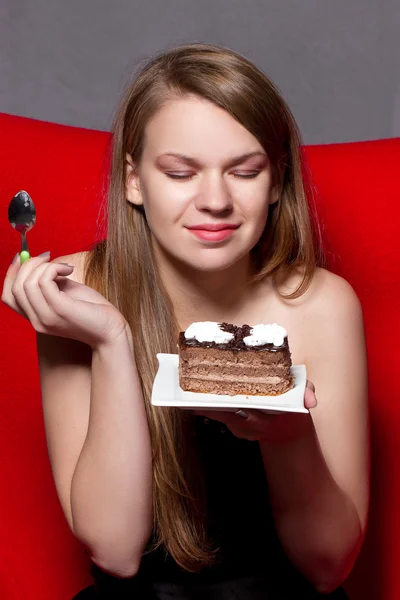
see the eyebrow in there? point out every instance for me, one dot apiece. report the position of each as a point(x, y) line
point(196, 164)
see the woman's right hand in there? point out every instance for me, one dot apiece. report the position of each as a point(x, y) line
point(41, 292)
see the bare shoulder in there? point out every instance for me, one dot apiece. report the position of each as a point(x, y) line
point(334, 316)
point(325, 315)
point(328, 294)
point(77, 259)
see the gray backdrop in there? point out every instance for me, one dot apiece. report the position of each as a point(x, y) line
point(336, 61)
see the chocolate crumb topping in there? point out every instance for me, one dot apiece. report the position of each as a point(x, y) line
point(236, 343)
point(228, 327)
point(239, 332)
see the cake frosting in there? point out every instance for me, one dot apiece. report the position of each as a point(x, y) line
point(266, 334)
point(208, 331)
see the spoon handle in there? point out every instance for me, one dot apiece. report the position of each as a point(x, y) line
point(24, 254)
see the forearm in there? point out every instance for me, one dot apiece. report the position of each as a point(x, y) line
point(111, 492)
point(317, 522)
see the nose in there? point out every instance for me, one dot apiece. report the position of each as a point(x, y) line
point(213, 195)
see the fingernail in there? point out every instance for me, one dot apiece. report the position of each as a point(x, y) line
point(68, 265)
point(15, 258)
point(242, 413)
point(47, 253)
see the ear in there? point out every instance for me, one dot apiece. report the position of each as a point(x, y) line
point(274, 194)
point(276, 190)
point(132, 187)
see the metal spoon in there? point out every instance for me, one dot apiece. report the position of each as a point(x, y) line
point(22, 216)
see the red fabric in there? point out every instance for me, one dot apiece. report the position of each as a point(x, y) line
point(358, 201)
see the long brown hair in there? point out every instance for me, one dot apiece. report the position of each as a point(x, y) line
point(122, 266)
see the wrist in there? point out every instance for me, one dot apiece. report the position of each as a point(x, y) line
point(123, 337)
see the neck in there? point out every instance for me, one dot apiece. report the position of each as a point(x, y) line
point(205, 296)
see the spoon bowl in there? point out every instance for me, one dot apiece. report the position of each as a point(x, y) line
point(22, 217)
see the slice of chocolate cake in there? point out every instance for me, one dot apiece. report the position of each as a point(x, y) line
point(220, 358)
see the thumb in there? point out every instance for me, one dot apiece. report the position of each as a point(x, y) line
point(16, 263)
point(310, 399)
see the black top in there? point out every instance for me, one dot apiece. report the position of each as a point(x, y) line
point(240, 521)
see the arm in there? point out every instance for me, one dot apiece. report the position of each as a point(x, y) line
point(111, 489)
point(98, 442)
point(319, 482)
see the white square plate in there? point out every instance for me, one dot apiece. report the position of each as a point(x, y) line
point(167, 392)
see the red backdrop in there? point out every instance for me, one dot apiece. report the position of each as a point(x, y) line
point(358, 200)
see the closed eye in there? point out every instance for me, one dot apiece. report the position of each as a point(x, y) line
point(247, 176)
point(173, 176)
point(187, 177)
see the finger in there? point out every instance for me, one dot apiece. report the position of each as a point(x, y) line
point(15, 261)
point(13, 293)
point(253, 415)
point(15, 266)
point(58, 301)
point(310, 385)
point(232, 416)
point(6, 295)
point(216, 415)
point(37, 307)
point(310, 400)
point(208, 413)
point(242, 414)
point(28, 296)
point(11, 274)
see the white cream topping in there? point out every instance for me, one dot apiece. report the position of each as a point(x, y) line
point(208, 331)
point(266, 334)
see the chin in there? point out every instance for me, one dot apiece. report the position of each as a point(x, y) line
point(207, 260)
point(211, 264)
point(209, 268)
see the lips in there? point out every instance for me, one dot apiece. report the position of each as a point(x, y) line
point(213, 227)
point(213, 232)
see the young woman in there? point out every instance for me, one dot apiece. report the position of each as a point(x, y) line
point(207, 220)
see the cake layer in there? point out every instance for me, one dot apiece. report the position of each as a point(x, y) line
point(241, 378)
point(192, 369)
point(234, 357)
point(232, 388)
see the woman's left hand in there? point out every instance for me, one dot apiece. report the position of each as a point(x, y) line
point(253, 424)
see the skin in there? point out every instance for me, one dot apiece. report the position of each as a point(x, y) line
point(317, 465)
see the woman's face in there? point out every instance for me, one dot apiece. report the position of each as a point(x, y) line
point(205, 184)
